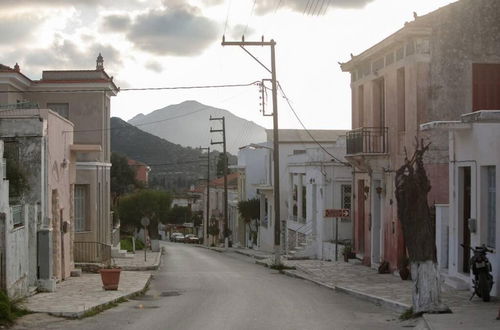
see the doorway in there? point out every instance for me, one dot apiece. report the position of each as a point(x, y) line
point(376, 219)
point(361, 217)
point(465, 194)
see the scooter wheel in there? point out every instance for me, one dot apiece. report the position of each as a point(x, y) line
point(484, 288)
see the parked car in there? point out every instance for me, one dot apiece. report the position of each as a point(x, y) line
point(177, 237)
point(192, 239)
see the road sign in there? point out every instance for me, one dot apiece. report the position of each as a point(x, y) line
point(145, 221)
point(337, 213)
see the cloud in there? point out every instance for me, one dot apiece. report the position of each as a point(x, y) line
point(65, 3)
point(63, 54)
point(178, 30)
point(18, 28)
point(265, 6)
point(154, 66)
point(238, 30)
point(115, 23)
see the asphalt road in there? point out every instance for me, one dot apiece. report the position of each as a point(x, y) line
point(198, 288)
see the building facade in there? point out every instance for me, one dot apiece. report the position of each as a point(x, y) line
point(472, 217)
point(434, 68)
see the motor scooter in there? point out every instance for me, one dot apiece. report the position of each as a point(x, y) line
point(481, 269)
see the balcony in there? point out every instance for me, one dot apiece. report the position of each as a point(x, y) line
point(367, 141)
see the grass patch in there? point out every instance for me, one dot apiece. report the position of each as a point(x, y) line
point(408, 314)
point(10, 309)
point(126, 244)
point(280, 267)
point(102, 308)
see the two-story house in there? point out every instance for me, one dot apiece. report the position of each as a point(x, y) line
point(437, 67)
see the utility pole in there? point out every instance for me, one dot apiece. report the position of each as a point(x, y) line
point(276, 190)
point(223, 142)
point(207, 218)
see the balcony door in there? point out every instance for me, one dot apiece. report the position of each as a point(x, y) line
point(379, 102)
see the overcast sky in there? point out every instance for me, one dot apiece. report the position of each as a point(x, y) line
point(157, 43)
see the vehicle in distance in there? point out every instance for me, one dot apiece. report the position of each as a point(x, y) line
point(177, 237)
point(191, 238)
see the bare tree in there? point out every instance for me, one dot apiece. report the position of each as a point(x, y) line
point(412, 187)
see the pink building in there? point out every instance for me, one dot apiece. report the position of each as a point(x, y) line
point(141, 170)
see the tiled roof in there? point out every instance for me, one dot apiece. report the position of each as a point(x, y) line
point(232, 180)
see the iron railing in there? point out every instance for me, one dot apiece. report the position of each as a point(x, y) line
point(367, 140)
point(92, 252)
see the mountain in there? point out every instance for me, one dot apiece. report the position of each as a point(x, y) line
point(173, 167)
point(188, 124)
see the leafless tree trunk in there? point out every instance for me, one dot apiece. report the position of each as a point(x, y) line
point(412, 187)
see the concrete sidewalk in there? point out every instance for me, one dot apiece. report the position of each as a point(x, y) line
point(137, 263)
point(78, 296)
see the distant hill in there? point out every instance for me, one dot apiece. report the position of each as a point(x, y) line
point(188, 124)
point(173, 167)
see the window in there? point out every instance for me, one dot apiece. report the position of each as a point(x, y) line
point(361, 106)
point(401, 99)
point(299, 152)
point(81, 208)
point(61, 108)
point(486, 86)
point(346, 196)
point(491, 206)
point(17, 215)
point(304, 202)
point(379, 102)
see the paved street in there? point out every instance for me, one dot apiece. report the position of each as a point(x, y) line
point(201, 289)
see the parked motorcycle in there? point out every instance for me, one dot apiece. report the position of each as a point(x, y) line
point(481, 269)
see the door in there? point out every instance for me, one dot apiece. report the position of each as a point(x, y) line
point(360, 221)
point(376, 222)
point(466, 214)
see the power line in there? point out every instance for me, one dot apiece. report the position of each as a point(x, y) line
point(308, 132)
point(137, 89)
point(251, 14)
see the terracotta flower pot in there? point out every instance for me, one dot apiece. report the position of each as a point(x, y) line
point(110, 278)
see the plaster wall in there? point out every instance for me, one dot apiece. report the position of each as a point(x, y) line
point(475, 148)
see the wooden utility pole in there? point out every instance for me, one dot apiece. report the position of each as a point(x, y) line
point(276, 190)
point(207, 217)
point(223, 142)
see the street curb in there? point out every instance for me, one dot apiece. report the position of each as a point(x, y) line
point(250, 255)
point(81, 314)
point(427, 323)
point(145, 268)
point(387, 303)
point(209, 248)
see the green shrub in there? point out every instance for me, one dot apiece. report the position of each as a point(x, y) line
point(10, 309)
point(126, 244)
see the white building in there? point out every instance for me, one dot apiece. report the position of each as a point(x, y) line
point(472, 217)
point(253, 167)
point(317, 182)
point(309, 183)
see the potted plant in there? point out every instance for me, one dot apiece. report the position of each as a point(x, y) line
point(347, 252)
point(110, 275)
point(404, 268)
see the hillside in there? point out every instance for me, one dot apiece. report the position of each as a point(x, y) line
point(173, 167)
point(188, 124)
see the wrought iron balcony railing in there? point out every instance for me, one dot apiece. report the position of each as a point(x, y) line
point(367, 140)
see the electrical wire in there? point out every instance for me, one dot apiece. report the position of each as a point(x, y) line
point(251, 14)
point(138, 88)
point(308, 132)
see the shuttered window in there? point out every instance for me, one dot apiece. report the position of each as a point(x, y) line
point(486, 86)
point(81, 223)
